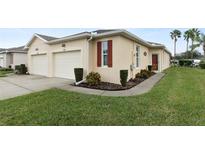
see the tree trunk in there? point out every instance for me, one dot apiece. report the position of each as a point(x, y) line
point(187, 45)
point(192, 43)
point(175, 48)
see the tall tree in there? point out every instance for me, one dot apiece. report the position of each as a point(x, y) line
point(175, 34)
point(195, 37)
point(201, 41)
point(187, 36)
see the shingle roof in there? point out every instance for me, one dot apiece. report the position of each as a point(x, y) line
point(21, 48)
point(100, 31)
point(12, 50)
point(47, 38)
point(154, 43)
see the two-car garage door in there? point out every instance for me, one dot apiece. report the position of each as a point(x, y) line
point(63, 64)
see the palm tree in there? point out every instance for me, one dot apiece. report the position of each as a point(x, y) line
point(187, 36)
point(203, 42)
point(194, 36)
point(175, 34)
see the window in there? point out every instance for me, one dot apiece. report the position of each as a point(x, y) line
point(105, 53)
point(137, 56)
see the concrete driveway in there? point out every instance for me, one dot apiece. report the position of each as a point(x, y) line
point(17, 85)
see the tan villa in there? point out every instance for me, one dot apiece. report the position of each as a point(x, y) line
point(103, 51)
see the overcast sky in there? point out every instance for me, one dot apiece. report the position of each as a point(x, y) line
point(16, 37)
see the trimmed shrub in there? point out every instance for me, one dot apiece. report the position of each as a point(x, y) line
point(185, 62)
point(149, 68)
point(78, 74)
point(123, 77)
point(20, 69)
point(6, 69)
point(202, 64)
point(23, 69)
point(93, 78)
point(143, 74)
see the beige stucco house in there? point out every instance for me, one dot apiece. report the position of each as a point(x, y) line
point(13, 56)
point(103, 51)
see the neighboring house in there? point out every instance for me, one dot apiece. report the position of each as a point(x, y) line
point(13, 56)
point(103, 51)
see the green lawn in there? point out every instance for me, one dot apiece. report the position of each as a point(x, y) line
point(178, 99)
point(4, 73)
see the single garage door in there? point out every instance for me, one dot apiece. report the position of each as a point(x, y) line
point(65, 62)
point(39, 65)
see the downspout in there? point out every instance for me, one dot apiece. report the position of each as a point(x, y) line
point(91, 37)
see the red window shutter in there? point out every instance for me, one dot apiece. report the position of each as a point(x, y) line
point(99, 50)
point(110, 53)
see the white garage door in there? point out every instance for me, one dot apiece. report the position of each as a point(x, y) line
point(1, 62)
point(64, 64)
point(39, 65)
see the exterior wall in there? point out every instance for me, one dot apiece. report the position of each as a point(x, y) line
point(3, 56)
point(81, 45)
point(6, 59)
point(42, 48)
point(110, 74)
point(166, 60)
point(19, 58)
point(163, 59)
point(124, 55)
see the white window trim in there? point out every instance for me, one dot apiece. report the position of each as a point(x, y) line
point(102, 55)
point(136, 57)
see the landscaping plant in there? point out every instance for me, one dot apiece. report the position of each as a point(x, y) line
point(21, 69)
point(123, 77)
point(144, 74)
point(78, 74)
point(93, 78)
point(185, 62)
point(202, 64)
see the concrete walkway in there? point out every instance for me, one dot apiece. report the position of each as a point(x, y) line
point(142, 88)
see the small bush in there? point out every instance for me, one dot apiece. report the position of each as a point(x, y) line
point(143, 74)
point(6, 69)
point(202, 64)
point(78, 74)
point(93, 78)
point(21, 69)
point(123, 77)
point(185, 62)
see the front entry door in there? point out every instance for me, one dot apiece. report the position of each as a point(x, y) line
point(155, 62)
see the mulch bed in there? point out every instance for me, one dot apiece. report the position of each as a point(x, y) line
point(112, 86)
